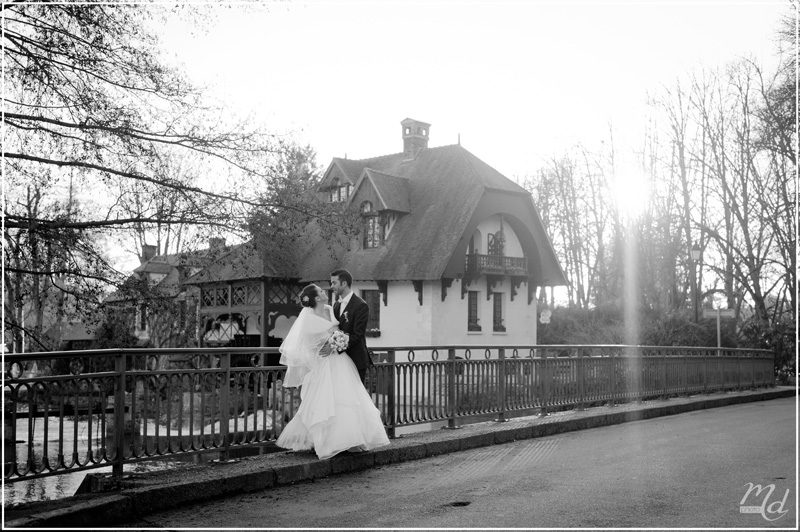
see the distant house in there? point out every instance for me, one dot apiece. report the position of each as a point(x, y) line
point(451, 252)
point(245, 301)
point(160, 307)
point(72, 336)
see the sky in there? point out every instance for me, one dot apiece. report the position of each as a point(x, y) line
point(515, 82)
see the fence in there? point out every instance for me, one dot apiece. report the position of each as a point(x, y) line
point(80, 410)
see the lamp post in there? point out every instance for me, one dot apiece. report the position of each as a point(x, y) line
point(697, 254)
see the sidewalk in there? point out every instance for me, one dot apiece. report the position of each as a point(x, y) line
point(152, 492)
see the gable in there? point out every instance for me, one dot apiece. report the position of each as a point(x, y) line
point(340, 171)
point(384, 191)
point(519, 214)
point(392, 190)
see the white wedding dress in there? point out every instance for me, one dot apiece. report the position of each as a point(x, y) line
point(336, 413)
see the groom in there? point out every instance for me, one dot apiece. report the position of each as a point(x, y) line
point(353, 314)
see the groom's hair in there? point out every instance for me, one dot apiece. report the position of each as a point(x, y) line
point(344, 277)
point(308, 296)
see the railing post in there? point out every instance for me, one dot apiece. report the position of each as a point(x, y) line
point(224, 405)
point(501, 385)
point(9, 435)
point(612, 370)
point(119, 416)
point(637, 357)
point(581, 376)
point(705, 372)
point(772, 379)
point(451, 356)
point(686, 375)
point(544, 383)
point(664, 377)
point(391, 394)
point(265, 402)
point(738, 372)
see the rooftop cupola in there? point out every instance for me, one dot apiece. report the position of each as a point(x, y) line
point(415, 137)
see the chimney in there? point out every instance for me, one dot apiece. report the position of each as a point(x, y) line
point(415, 137)
point(148, 252)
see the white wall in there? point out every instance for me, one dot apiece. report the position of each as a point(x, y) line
point(403, 320)
point(451, 316)
point(405, 323)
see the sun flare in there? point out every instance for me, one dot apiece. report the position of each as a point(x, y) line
point(631, 194)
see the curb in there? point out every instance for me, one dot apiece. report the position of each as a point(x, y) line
point(214, 482)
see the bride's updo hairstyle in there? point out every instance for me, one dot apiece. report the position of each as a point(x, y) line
point(308, 296)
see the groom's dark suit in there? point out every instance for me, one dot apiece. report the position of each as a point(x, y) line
point(353, 320)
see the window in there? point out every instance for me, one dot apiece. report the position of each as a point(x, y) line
point(214, 296)
point(142, 317)
point(373, 300)
point(497, 314)
point(206, 297)
point(495, 243)
point(239, 295)
point(338, 191)
point(373, 229)
point(472, 312)
point(372, 232)
point(221, 296)
point(335, 191)
point(182, 314)
point(284, 293)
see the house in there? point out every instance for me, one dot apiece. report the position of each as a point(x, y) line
point(159, 306)
point(450, 252)
point(72, 335)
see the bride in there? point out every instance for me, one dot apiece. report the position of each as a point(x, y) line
point(336, 413)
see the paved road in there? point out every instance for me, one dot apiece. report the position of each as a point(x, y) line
point(687, 470)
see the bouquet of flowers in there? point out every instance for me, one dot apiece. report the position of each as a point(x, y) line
point(339, 340)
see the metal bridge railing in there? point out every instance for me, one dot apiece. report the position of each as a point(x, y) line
point(79, 410)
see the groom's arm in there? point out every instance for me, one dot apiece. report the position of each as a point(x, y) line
point(360, 319)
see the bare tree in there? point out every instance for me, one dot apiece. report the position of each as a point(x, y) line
point(89, 101)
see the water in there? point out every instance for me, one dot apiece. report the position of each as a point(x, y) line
point(66, 484)
point(60, 486)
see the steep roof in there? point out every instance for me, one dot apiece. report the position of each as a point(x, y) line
point(70, 331)
point(442, 186)
point(392, 190)
point(154, 266)
point(243, 261)
point(349, 167)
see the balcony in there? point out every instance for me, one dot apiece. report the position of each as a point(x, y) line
point(495, 265)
